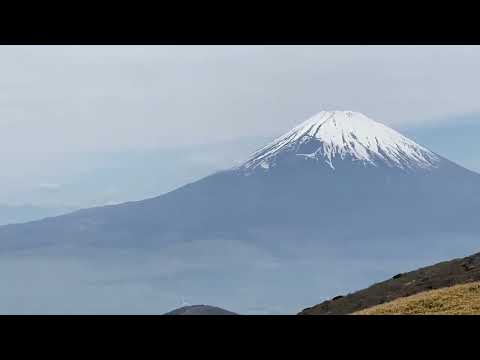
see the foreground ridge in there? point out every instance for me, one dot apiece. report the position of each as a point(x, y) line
point(461, 299)
point(441, 275)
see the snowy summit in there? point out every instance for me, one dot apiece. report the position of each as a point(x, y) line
point(330, 136)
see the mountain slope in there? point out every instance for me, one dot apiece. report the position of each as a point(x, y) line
point(455, 300)
point(441, 275)
point(11, 214)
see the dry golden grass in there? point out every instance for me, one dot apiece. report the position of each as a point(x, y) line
point(456, 300)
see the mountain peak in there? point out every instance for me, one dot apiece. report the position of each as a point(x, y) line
point(330, 136)
point(200, 310)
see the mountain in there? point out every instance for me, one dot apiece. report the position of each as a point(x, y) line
point(200, 310)
point(438, 276)
point(335, 169)
point(336, 201)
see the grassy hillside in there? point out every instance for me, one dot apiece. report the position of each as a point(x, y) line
point(455, 300)
point(442, 275)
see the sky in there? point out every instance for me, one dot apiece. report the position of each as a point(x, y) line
point(72, 114)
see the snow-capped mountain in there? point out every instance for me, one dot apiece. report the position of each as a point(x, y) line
point(334, 203)
point(332, 136)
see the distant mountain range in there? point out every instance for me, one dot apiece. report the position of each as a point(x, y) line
point(336, 190)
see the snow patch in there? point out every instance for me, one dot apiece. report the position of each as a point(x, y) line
point(342, 135)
